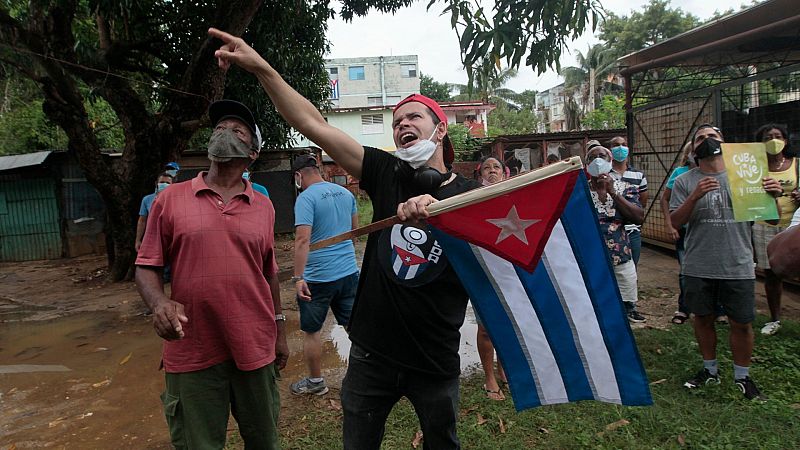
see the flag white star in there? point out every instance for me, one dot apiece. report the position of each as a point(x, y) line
point(512, 225)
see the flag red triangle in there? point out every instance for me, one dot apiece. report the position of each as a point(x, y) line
point(408, 258)
point(515, 225)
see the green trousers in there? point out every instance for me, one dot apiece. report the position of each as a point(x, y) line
point(197, 406)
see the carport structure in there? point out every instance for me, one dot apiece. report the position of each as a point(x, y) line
point(738, 72)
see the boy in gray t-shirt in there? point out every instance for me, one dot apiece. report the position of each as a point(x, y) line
point(718, 263)
point(716, 245)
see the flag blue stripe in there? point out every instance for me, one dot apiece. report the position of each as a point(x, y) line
point(478, 286)
point(616, 359)
point(589, 249)
point(546, 302)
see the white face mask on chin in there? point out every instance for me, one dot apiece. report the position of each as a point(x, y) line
point(419, 153)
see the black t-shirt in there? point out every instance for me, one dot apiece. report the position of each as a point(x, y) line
point(410, 303)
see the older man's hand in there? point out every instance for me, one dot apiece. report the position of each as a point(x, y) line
point(168, 319)
point(281, 347)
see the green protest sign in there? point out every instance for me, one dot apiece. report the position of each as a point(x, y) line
point(746, 166)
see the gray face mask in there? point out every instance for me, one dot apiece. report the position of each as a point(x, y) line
point(224, 146)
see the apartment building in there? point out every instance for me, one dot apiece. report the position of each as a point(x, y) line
point(550, 109)
point(372, 81)
point(363, 92)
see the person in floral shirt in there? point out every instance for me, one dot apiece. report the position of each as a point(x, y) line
point(616, 203)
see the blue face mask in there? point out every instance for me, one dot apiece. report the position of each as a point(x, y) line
point(172, 173)
point(161, 186)
point(598, 166)
point(620, 153)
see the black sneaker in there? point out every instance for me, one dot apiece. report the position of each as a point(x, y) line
point(749, 389)
point(702, 378)
point(635, 317)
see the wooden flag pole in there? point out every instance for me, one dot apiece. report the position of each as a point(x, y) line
point(360, 231)
point(465, 199)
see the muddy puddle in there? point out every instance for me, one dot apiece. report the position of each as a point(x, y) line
point(91, 380)
point(102, 396)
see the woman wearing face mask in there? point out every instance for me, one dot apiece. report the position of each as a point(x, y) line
point(785, 170)
point(492, 171)
point(616, 203)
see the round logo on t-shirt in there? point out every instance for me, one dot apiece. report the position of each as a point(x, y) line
point(410, 256)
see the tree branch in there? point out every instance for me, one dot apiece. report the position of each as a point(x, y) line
point(25, 68)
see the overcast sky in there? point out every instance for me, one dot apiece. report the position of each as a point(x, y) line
point(415, 31)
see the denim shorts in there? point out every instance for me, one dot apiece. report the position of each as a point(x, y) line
point(337, 295)
point(737, 297)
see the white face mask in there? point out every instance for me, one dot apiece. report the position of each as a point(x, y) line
point(599, 166)
point(419, 153)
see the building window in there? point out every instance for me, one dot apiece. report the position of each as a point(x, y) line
point(374, 101)
point(333, 70)
point(408, 70)
point(356, 72)
point(372, 124)
point(341, 180)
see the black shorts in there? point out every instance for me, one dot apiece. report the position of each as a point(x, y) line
point(737, 297)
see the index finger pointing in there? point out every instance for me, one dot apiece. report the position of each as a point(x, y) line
point(219, 34)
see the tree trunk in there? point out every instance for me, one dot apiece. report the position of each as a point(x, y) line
point(123, 235)
point(151, 138)
point(592, 88)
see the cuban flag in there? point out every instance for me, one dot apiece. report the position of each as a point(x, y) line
point(530, 254)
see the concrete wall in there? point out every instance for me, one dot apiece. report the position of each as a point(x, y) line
point(355, 93)
point(350, 123)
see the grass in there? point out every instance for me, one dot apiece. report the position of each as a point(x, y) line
point(716, 417)
point(364, 211)
point(364, 214)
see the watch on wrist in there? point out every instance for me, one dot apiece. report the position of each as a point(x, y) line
point(297, 278)
point(280, 317)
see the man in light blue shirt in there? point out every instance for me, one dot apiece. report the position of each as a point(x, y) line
point(327, 277)
point(162, 182)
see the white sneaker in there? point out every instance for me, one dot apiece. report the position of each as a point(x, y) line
point(771, 328)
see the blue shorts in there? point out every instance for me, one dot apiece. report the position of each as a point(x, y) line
point(337, 295)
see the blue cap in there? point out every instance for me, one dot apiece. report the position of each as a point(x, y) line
point(173, 165)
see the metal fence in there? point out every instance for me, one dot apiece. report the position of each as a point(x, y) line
point(658, 130)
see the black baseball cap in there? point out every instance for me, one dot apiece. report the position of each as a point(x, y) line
point(303, 161)
point(231, 109)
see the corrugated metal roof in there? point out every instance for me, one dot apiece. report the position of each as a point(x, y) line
point(737, 24)
point(26, 160)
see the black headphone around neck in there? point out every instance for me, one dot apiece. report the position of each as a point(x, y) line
point(424, 179)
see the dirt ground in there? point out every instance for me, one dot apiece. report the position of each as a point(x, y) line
point(79, 360)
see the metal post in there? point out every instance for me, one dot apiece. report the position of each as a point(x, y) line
point(629, 111)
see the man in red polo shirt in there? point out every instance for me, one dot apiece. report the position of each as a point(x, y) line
point(223, 327)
